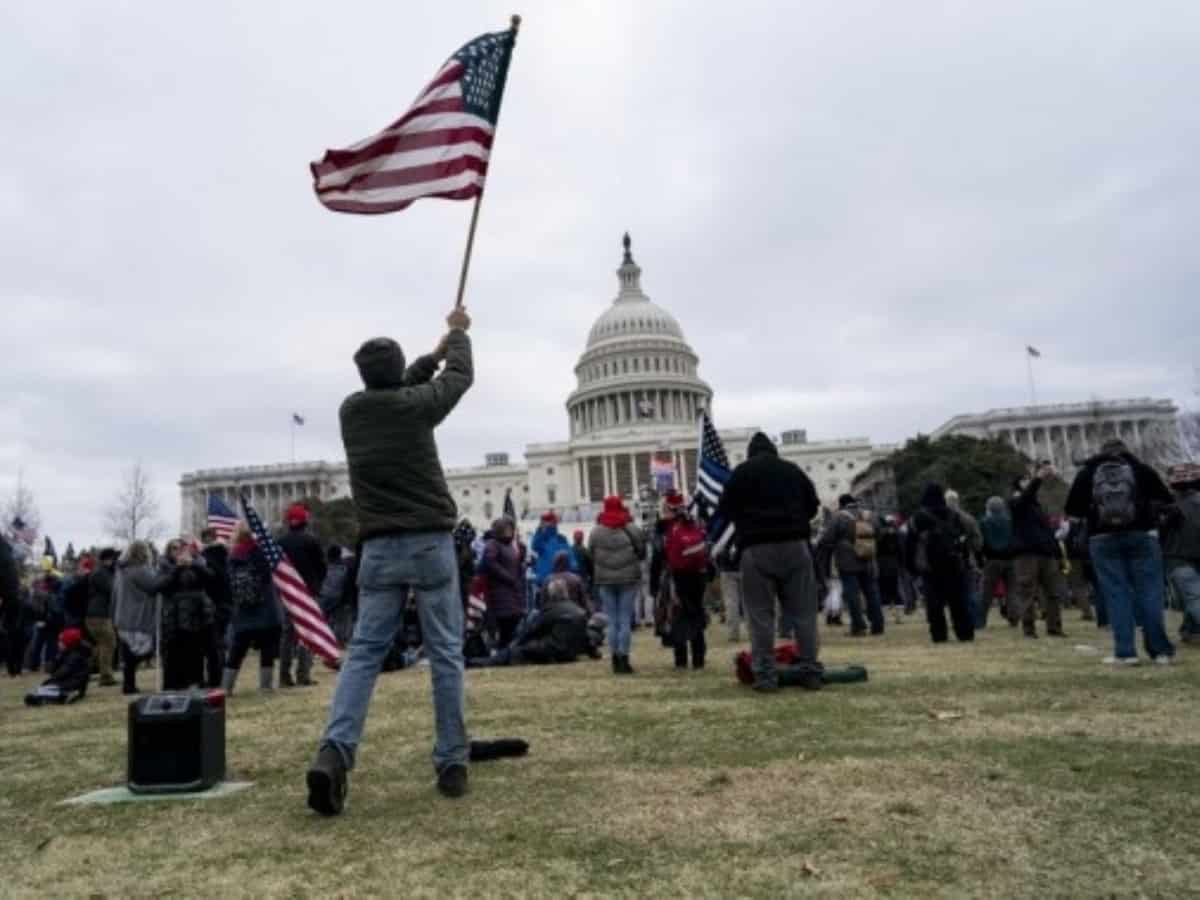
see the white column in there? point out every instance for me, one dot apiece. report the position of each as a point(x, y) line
point(683, 469)
point(633, 473)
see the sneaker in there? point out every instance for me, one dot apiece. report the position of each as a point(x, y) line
point(285, 681)
point(1164, 660)
point(327, 783)
point(452, 781)
point(1122, 661)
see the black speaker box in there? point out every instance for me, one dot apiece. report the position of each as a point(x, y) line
point(176, 742)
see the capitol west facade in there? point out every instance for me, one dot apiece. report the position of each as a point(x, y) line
point(638, 395)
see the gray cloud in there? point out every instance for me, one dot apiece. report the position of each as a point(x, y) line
point(861, 213)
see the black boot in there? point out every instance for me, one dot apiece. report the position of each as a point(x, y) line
point(452, 781)
point(626, 668)
point(327, 783)
point(616, 665)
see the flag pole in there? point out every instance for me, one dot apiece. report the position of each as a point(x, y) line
point(1032, 388)
point(466, 263)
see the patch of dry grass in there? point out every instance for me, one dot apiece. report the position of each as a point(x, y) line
point(1008, 768)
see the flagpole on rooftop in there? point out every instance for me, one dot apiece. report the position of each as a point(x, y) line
point(466, 263)
point(1032, 387)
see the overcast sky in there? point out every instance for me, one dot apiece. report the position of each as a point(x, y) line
point(860, 213)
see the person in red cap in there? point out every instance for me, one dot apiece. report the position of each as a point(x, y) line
point(68, 679)
point(617, 547)
point(306, 555)
point(687, 560)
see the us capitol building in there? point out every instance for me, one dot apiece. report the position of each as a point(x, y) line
point(637, 398)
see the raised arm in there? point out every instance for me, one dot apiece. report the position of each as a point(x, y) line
point(441, 394)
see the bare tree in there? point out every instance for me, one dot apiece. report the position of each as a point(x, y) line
point(20, 505)
point(133, 513)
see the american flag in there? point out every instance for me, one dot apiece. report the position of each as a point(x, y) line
point(439, 148)
point(311, 627)
point(221, 519)
point(712, 473)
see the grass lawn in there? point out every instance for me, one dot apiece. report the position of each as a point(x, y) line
point(1007, 768)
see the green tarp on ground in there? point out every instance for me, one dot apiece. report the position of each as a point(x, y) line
point(122, 794)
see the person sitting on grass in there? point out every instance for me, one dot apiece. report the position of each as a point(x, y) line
point(564, 586)
point(68, 679)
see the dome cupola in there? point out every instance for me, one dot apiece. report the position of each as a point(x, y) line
point(637, 370)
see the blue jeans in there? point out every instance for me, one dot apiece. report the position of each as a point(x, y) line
point(1129, 568)
point(1186, 581)
point(618, 601)
point(390, 565)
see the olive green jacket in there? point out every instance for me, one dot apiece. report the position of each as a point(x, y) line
point(395, 474)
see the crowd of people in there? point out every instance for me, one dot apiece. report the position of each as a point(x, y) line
point(423, 588)
point(196, 609)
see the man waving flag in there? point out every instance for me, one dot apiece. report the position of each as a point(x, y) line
point(311, 628)
point(439, 148)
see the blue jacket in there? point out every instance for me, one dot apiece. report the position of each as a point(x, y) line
point(548, 543)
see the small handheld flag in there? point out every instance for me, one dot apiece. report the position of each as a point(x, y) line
point(221, 519)
point(311, 628)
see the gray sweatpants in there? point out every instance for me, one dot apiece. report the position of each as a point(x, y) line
point(783, 570)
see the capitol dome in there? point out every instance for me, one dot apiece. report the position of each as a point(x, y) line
point(637, 370)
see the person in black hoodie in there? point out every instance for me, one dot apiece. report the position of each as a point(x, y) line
point(771, 504)
point(1036, 556)
point(937, 549)
point(306, 555)
point(1121, 496)
point(216, 555)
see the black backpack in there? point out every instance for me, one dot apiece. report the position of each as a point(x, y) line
point(245, 586)
point(1115, 494)
point(943, 545)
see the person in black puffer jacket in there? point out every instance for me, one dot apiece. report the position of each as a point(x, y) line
point(1036, 557)
point(187, 617)
point(938, 551)
point(216, 556)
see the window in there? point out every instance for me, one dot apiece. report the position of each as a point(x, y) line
point(635, 365)
point(488, 509)
point(487, 491)
point(657, 364)
point(549, 470)
point(551, 494)
point(466, 492)
point(850, 465)
point(832, 466)
point(833, 485)
point(525, 489)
